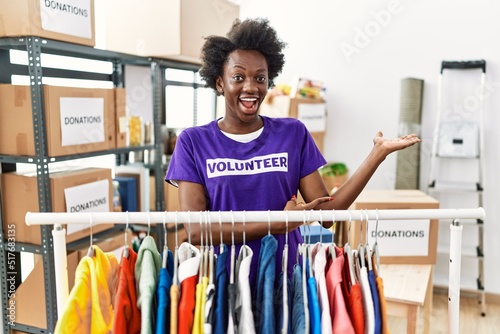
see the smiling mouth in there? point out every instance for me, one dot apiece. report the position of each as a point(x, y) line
point(249, 103)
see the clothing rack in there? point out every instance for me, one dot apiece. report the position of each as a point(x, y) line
point(94, 218)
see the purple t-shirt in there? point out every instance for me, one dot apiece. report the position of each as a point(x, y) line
point(257, 176)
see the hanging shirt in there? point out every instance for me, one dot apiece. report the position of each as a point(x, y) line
point(354, 299)
point(199, 309)
point(314, 311)
point(163, 296)
point(221, 297)
point(210, 293)
point(319, 263)
point(147, 270)
point(367, 301)
point(174, 308)
point(341, 322)
point(298, 324)
point(375, 300)
point(232, 172)
point(263, 308)
point(244, 314)
point(383, 306)
point(189, 263)
point(89, 307)
point(127, 314)
point(282, 309)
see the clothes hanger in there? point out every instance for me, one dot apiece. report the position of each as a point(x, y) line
point(375, 252)
point(202, 250)
point(348, 251)
point(211, 256)
point(221, 241)
point(207, 247)
point(189, 227)
point(321, 228)
point(91, 251)
point(284, 329)
point(149, 222)
point(126, 248)
point(331, 247)
point(368, 251)
point(284, 262)
point(175, 280)
point(165, 247)
point(244, 236)
point(309, 246)
point(304, 278)
point(233, 251)
point(268, 222)
point(361, 248)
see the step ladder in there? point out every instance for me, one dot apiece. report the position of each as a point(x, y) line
point(458, 143)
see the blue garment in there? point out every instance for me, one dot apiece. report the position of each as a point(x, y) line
point(313, 302)
point(298, 323)
point(263, 306)
point(376, 302)
point(163, 296)
point(221, 298)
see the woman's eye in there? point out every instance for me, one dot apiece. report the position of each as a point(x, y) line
point(261, 79)
point(237, 78)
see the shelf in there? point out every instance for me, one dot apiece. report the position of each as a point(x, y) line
point(466, 187)
point(467, 251)
point(32, 159)
point(469, 286)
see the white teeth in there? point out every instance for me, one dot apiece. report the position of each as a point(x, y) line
point(249, 99)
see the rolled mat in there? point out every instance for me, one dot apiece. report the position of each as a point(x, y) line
point(410, 111)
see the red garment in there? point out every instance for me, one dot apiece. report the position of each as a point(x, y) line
point(353, 299)
point(187, 305)
point(341, 321)
point(127, 315)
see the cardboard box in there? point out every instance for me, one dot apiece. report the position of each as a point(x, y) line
point(121, 120)
point(20, 195)
point(404, 241)
point(311, 112)
point(170, 193)
point(181, 25)
point(62, 20)
point(78, 120)
point(319, 139)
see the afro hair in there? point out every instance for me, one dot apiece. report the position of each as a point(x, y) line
point(250, 34)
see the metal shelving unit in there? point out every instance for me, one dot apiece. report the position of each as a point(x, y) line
point(35, 47)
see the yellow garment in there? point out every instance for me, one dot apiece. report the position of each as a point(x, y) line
point(89, 308)
point(198, 316)
point(199, 311)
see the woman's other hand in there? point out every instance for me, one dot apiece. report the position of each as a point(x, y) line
point(293, 204)
point(391, 145)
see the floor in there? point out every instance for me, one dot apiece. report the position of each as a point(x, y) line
point(471, 320)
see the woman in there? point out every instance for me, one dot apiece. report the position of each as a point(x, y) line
point(244, 161)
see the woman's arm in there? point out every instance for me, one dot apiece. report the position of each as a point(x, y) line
point(312, 186)
point(192, 198)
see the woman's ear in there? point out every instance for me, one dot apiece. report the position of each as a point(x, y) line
point(219, 83)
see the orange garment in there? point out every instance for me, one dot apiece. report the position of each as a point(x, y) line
point(353, 299)
point(187, 305)
point(174, 304)
point(127, 314)
point(383, 305)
